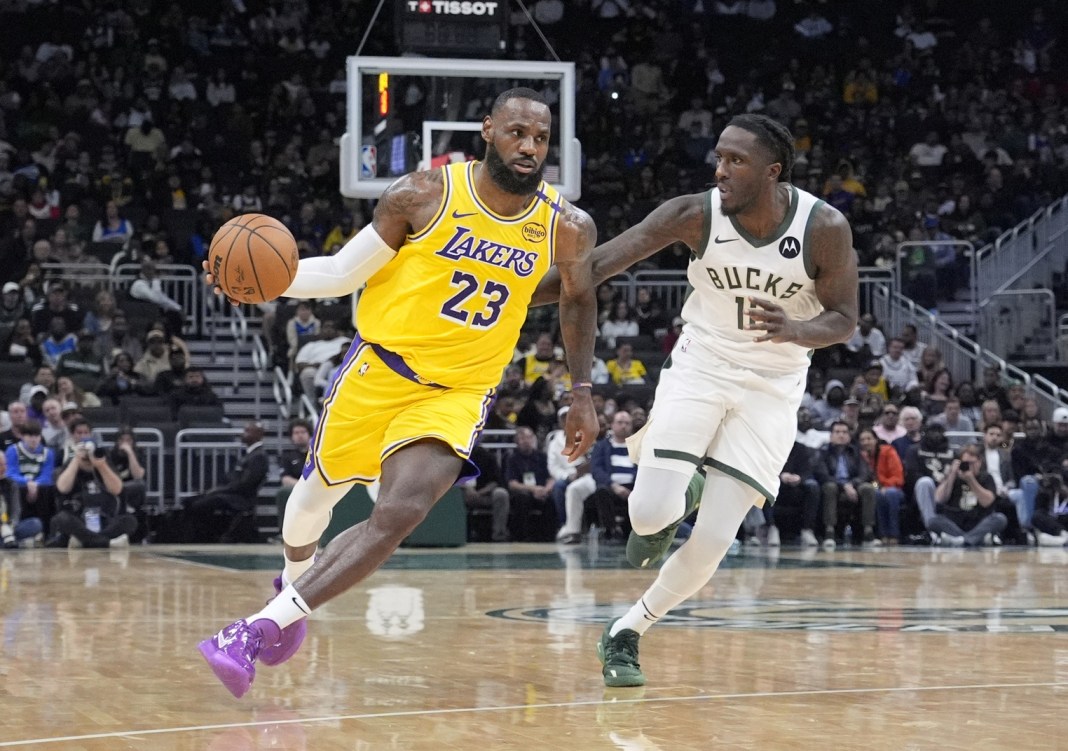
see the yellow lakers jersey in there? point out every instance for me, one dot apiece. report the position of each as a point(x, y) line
point(454, 299)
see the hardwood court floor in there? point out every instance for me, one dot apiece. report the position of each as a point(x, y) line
point(491, 647)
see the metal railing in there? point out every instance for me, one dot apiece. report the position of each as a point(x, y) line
point(908, 280)
point(150, 441)
point(1000, 265)
point(1009, 318)
point(202, 458)
point(500, 442)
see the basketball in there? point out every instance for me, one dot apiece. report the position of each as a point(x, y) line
point(253, 258)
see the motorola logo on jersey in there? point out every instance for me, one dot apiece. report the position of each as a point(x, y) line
point(453, 7)
point(464, 244)
point(790, 247)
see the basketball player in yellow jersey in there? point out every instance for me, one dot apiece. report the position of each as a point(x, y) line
point(451, 260)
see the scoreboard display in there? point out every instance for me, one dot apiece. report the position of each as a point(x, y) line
point(458, 28)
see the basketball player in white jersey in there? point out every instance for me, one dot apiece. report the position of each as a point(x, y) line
point(774, 276)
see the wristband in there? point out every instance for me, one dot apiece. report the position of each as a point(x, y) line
point(582, 385)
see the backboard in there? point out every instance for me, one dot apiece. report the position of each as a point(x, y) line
point(411, 113)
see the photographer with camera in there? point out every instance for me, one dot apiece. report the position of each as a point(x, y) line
point(961, 509)
point(91, 514)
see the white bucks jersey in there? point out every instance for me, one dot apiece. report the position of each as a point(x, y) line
point(731, 265)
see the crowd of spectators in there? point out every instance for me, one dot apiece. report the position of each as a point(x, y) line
point(131, 129)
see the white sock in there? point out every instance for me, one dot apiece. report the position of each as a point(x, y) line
point(295, 569)
point(639, 618)
point(286, 609)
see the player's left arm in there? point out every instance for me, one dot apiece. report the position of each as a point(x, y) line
point(576, 237)
point(836, 288)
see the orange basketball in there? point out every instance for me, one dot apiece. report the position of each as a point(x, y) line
point(253, 258)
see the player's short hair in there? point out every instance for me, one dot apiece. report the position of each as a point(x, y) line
point(519, 92)
point(774, 136)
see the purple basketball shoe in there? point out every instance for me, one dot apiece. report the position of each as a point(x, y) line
point(232, 652)
point(290, 640)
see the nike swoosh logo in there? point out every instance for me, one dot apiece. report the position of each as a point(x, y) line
point(458, 215)
point(728, 240)
point(299, 607)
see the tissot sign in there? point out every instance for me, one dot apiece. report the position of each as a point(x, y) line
point(463, 28)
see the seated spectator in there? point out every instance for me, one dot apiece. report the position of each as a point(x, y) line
point(564, 472)
point(194, 391)
point(58, 343)
point(503, 415)
point(874, 380)
point(21, 345)
point(17, 416)
point(624, 369)
point(867, 341)
point(12, 308)
point(118, 339)
point(44, 376)
point(315, 353)
point(156, 358)
point(112, 227)
point(989, 414)
point(889, 474)
point(613, 474)
point(170, 379)
point(1034, 455)
point(292, 464)
point(530, 487)
point(84, 363)
point(539, 411)
point(54, 431)
point(1022, 493)
point(56, 304)
point(937, 391)
point(98, 320)
point(148, 287)
point(122, 380)
point(798, 486)
point(649, 312)
point(954, 422)
point(15, 530)
point(90, 513)
point(235, 499)
point(829, 408)
point(898, 370)
point(31, 465)
point(959, 510)
point(1051, 512)
point(969, 403)
point(487, 492)
point(622, 322)
point(931, 364)
point(992, 388)
point(846, 487)
point(300, 328)
point(537, 362)
point(887, 428)
point(512, 383)
point(851, 414)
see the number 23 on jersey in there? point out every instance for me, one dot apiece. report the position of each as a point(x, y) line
point(476, 304)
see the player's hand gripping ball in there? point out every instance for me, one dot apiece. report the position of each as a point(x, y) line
point(253, 258)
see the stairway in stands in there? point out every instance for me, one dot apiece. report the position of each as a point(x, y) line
point(246, 395)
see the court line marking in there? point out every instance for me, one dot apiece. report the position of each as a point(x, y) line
point(515, 707)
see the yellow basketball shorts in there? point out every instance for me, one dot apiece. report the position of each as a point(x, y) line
point(376, 405)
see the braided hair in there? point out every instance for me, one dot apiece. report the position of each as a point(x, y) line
point(774, 136)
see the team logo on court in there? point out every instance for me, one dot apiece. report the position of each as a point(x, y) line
point(809, 615)
point(789, 247)
point(533, 232)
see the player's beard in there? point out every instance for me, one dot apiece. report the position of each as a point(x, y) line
point(508, 179)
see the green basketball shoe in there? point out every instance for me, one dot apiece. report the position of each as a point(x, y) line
point(644, 551)
point(619, 656)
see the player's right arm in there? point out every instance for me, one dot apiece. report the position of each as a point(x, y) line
point(679, 219)
point(406, 205)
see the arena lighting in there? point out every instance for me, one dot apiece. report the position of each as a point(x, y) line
point(383, 94)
